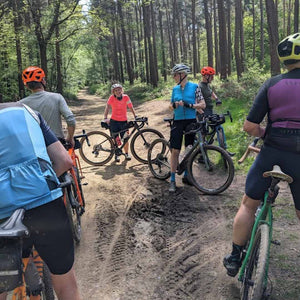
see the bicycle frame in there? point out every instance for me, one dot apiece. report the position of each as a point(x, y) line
point(265, 216)
point(76, 164)
point(199, 142)
point(136, 127)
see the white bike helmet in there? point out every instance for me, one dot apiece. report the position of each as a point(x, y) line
point(181, 68)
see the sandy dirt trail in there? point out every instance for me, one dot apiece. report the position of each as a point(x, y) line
point(139, 242)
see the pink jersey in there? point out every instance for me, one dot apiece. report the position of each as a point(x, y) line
point(119, 107)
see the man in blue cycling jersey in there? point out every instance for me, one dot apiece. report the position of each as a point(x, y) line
point(186, 99)
point(31, 158)
point(279, 99)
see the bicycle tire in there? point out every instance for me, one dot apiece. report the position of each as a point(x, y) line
point(47, 292)
point(221, 138)
point(73, 212)
point(254, 281)
point(159, 155)
point(101, 148)
point(141, 142)
point(217, 177)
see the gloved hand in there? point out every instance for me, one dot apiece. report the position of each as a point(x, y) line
point(189, 105)
point(218, 102)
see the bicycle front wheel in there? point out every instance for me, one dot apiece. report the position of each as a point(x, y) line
point(73, 212)
point(159, 155)
point(255, 278)
point(97, 149)
point(221, 138)
point(80, 190)
point(212, 173)
point(141, 142)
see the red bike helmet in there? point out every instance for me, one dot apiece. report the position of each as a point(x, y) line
point(208, 71)
point(33, 74)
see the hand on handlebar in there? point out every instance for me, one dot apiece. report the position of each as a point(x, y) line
point(218, 102)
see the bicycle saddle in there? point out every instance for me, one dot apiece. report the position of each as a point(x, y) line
point(13, 227)
point(277, 173)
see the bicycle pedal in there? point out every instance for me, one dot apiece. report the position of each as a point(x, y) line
point(276, 242)
point(84, 183)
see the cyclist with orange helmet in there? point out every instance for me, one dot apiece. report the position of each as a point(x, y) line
point(207, 77)
point(279, 100)
point(118, 103)
point(50, 105)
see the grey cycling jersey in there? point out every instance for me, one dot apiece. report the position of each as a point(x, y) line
point(51, 106)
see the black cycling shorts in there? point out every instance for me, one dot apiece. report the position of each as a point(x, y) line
point(289, 162)
point(177, 131)
point(51, 235)
point(116, 126)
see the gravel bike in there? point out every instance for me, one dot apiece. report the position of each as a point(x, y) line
point(73, 194)
point(210, 168)
point(98, 148)
point(27, 278)
point(253, 274)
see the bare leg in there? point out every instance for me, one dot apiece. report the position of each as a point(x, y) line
point(244, 220)
point(126, 146)
point(174, 159)
point(65, 286)
point(3, 296)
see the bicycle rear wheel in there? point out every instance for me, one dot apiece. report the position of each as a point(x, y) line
point(141, 142)
point(221, 138)
point(255, 278)
point(73, 211)
point(99, 150)
point(159, 155)
point(47, 292)
point(213, 173)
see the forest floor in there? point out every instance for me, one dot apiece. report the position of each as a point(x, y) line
point(140, 242)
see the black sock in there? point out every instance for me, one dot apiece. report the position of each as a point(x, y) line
point(236, 250)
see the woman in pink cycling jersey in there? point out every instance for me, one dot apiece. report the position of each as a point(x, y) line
point(118, 102)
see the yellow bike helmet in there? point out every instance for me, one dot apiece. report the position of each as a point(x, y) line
point(289, 49)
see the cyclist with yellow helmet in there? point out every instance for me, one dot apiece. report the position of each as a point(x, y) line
point(279, 99)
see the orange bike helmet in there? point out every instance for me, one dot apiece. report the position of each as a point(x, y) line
point(33, 74)
point(208, 71)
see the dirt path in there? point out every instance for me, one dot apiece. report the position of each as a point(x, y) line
point(140, 242)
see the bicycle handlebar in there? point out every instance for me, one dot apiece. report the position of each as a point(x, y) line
point(252, 147)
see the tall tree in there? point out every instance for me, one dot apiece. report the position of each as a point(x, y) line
point(194, 39)
point(272, 19)
point(209, 39)
point(222, 41)
point(296, 16)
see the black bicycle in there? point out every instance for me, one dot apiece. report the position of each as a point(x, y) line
point(214, 128)
point(98, 148)
point(210, 168)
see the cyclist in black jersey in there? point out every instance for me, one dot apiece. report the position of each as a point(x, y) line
point(279, 99)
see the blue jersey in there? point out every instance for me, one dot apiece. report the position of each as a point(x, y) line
point(26, 176)
point(188, 95)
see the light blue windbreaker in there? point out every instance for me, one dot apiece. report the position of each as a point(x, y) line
point(25, 166)
point(187, 95)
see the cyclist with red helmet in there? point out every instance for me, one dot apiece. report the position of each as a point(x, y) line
point(50, 105)
point(208, 94)
point(118, 103)
point(279, 100)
